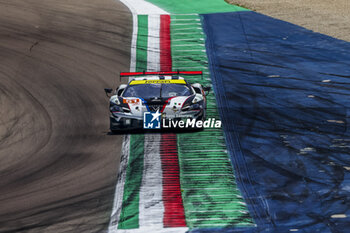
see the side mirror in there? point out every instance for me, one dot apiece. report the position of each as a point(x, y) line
point(206, 90)
point(108, 91)
point(120, 91)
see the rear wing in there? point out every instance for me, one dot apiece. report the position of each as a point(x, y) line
point(128, 74)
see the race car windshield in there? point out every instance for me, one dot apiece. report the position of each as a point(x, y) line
point(149, 91)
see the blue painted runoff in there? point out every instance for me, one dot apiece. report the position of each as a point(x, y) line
point(283, 93)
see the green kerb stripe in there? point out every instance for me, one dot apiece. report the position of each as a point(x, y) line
point(129, 216)
point(195, 6)
point(141, 43)
point(209, 190)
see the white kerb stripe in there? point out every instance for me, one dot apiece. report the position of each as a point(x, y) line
point(151, 192)
point(119, 191)
point(156, 230)
point(153, 47)
point(141, 7)
point(133, 10)
point(133, 44)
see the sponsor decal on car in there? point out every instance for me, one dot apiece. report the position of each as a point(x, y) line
point(176, 81)
point(131, 101)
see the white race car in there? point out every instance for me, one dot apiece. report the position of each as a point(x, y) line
point(164, 93)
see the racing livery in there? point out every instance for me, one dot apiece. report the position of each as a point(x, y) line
point(156, 92)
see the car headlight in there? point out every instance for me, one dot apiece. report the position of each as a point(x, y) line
point(115, 108)
point(191, 106)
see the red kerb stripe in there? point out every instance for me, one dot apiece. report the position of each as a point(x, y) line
point(165, 43)
point(174, 213)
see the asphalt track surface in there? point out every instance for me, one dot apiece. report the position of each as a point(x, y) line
point(58, 164)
